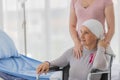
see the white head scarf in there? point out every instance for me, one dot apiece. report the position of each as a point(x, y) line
point(95, 27)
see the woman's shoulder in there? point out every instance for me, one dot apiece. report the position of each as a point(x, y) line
point(69, 52)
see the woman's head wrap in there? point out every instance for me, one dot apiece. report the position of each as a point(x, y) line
point(95, 27)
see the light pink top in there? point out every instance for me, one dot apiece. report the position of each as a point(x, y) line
point(95, 11)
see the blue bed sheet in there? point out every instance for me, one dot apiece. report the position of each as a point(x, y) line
point(21, 66)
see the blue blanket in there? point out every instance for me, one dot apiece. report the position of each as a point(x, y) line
point(21, 66)
point(13, 63)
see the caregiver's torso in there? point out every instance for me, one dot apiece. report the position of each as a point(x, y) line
point(94, 11)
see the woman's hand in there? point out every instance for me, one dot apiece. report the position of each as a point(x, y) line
point(77, 50)
point(102, 43)
point(43, 68)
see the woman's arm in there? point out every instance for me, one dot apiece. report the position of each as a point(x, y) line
point(60, 62)
point(63, 60)
point(109, 14)
point(101, 60)
point(73, 32)
point(72, 25)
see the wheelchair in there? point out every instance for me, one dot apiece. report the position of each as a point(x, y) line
point(105, 75)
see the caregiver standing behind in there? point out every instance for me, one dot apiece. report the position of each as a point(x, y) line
point(82, 10)
point(94, 57)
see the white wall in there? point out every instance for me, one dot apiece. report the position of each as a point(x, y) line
point(1, 14)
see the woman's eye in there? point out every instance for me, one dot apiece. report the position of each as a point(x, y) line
point(86, 33)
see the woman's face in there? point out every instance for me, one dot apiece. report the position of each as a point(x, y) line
point(87, 37)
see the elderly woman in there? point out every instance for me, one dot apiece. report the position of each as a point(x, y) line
point(91, 35)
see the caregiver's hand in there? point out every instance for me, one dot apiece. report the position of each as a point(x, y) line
point(77, 50)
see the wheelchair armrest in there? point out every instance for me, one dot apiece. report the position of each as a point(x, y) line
point(101, 72)
point(55, 68)
point(97, 71)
